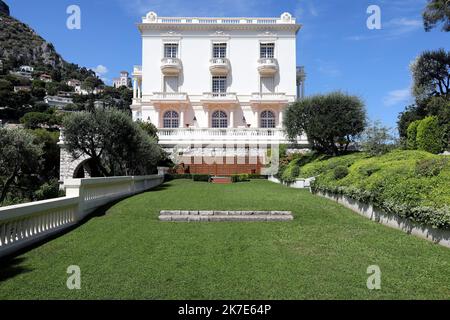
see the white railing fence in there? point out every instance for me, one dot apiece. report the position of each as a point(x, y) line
point(24, 224)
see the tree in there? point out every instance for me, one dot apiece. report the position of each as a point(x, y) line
point(114, 143)
point(149, 128)
point(90, 83)
point(437, 11)
point(411, 141)
point(429, 135)
point(34, 120)
point(50, 158)
point(377, 139)
point(19, 156)
point(412, 113)
point(331, 121)
point(431, 74)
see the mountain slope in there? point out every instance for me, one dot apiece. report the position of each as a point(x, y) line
point(21, 45)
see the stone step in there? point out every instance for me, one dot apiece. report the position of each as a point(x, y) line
point(223, 213)
point(222, 218)
point(186, 216)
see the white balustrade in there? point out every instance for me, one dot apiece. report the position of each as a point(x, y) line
point(24, 224)
point(170, 96)
point(171, 136)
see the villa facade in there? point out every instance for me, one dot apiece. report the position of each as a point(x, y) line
point(217, 87)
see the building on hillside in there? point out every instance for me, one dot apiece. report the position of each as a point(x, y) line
point(217, 87)
point(123, 81)
point(73, 83)
point(24, 72)
point(58, 101)
point(22, 88)
point(45, 77)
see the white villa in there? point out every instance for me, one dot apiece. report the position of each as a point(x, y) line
point(123, 80)
point(216, 89)
point(217, 81)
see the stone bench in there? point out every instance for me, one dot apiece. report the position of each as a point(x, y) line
point(205, 216)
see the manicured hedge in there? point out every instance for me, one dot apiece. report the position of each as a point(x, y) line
point(429, 135)
point(410, 184)
point(201, 177)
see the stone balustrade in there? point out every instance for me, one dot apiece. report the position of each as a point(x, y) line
point(24, 224)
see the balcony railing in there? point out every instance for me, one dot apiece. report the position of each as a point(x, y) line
point(169, 96)
point(267, 66)
point(269, 96)
point(220, 96)
point(219, 66)
point(152, 18)
point(171, 66)
point(137, 71)
point(212, 135)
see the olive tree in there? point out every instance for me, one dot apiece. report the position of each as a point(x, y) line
point(331, 121)
point(19, 157)
point(113, 142)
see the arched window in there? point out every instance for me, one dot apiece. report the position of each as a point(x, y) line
point(219, 119)
point(171, 119)
point(267, 119)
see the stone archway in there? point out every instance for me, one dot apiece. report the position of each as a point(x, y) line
point(69, 167)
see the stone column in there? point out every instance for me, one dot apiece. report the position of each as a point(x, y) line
point(208, 123)
point(257, 119)
point(181, 118)
point(280, 119)
point(157, 116)
point(139, 93)
point(231, 124)
point(134, 88)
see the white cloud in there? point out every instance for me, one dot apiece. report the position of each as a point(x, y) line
point(397, 96)
point(100, 70)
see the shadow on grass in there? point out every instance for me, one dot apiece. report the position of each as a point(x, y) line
point(10, 265)
point(9, 268)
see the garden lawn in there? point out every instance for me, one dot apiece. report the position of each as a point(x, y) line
point(323, 254)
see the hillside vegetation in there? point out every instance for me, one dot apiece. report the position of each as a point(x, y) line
point(411, 184)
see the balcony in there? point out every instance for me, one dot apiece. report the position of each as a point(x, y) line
point(231, 135)
point(171, 66)
point(219, 97)
point(137, 71)
point(219, 66)
point(169, 97)
point(267, 66)
point(271, 97)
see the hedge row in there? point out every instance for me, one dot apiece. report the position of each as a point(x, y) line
point(411, 184)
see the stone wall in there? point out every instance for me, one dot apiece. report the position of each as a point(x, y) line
point(68, 165)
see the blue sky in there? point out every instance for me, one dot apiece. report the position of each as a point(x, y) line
point(335, 45)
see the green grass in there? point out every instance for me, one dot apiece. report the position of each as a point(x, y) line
point(323, 254)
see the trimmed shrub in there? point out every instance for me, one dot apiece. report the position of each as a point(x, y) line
point(239, 178)
point(258, 176)
point(201, 177)
point(410, 184)
point(429, 135)
point(340, 172)
point(411, 142)
point(430, 167)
